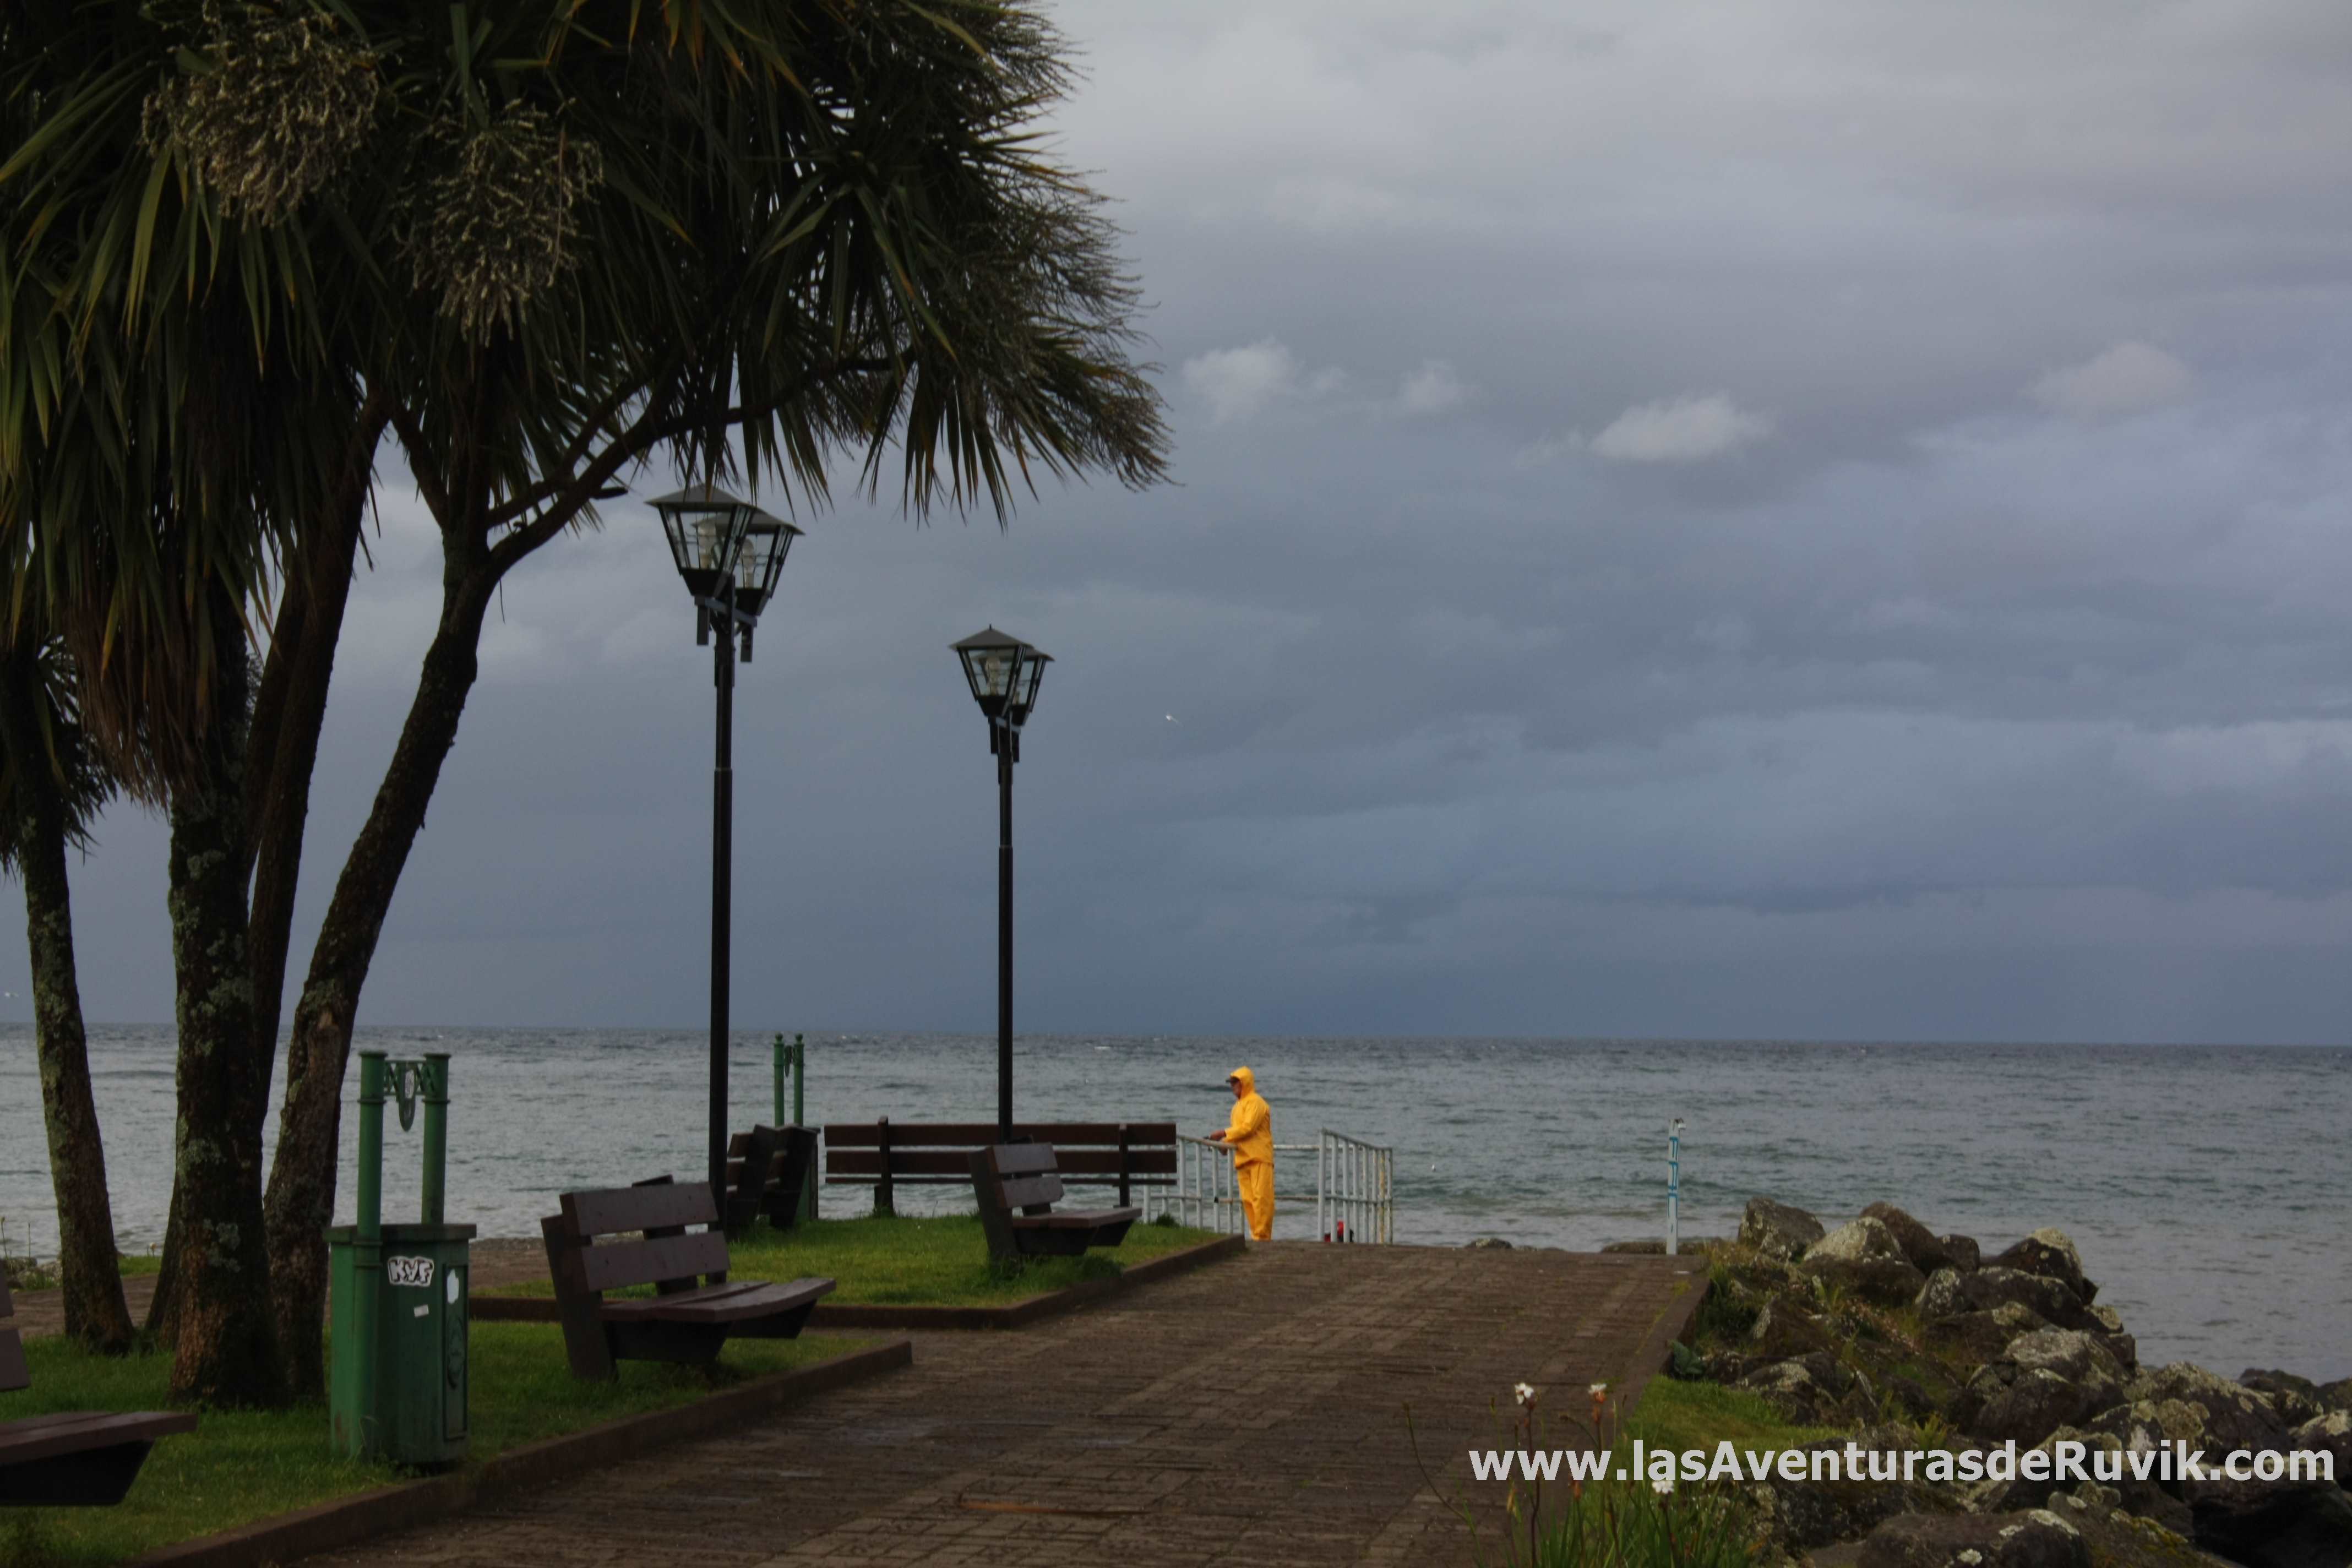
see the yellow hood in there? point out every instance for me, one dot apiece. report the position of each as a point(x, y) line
point(1247, 1079)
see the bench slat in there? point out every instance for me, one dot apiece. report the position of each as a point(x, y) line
point(1022, 1158)
point(14, 1373)
point(76, 1431)
point(732, 1307)
point(978, 1134)
point(7, 1308)
point(1073, 1220)
point(842, 1163)
point(619, 1263)
point(1025, 1191)
point(651, 1207)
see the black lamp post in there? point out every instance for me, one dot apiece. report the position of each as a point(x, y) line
point(1004, 672)
point(730, 553)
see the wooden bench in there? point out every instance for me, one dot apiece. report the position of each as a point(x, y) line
point(694, 1310)
point(77, 1458)
point(1017, 1185)
point(885, 1156)
point(768, 1169)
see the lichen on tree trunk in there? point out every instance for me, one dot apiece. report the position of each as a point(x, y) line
point(225, 1348)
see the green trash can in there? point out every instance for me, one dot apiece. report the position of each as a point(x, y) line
point(397, 1383)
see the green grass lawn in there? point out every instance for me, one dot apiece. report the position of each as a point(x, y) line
point(241, 1465)
point(919, 1262)
point(1676, 1414)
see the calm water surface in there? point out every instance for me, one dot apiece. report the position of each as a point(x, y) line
point(2209, 1188)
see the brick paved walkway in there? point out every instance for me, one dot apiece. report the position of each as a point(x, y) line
point(1173, 1426)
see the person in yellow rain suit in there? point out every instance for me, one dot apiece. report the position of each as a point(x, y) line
point(1251, 1138)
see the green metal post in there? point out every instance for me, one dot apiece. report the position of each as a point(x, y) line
point(777, 1055)
point(368, 1253)
point(800, 1109)
point(437, 1135)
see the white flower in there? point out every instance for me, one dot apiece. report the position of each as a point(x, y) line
point(1598, 1389)
point(1662, 1486)
point(1524, 1392)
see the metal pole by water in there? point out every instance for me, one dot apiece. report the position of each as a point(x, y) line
point(1674, 1186)
point(722, 854)
point(1005, 935)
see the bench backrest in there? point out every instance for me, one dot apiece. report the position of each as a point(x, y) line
point(1023, 1177)
point(668, 1256)
point(14, 1373)
point(1123, 1154)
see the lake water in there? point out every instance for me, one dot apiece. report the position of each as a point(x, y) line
point(2209, 1188)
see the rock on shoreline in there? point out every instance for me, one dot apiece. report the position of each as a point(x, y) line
point(1904, 1339)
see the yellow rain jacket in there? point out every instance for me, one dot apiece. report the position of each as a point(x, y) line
point(1250, 1135)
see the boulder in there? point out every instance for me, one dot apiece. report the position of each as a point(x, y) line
point(1916, 1402)
point(1977, 1337)
point(2296, 1399)
point(1995, 1284)
point(2041, 1380)
point(2052, 1254)
point(2336, 1396)
point(2007, 1402)
point(2142, 1499)
point(2330, 1433)
point(1882, 1281)
point(1854, 1241)
point(1799, 1515)
point(1863, 1260)
point(2276, 1525)
point(2123, 1347)
point(2118, 1539)
point(1811, 1390)
point(1783, 1331)
point(2226, 1415)
point(1489, 1243)
point(1919, 1244)
point(2071, 1353)
point(2036, 1538)
point(1965, 1256)
point(1776, 1229)
point(1940, 1297)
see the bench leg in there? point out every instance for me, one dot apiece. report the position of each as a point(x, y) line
point(782, 1326)
point(690, 1344)
point(95, 1477)
point(576, 1307)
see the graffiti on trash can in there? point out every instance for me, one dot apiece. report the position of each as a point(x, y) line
point(408, 1271)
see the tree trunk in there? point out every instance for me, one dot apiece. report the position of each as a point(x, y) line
point(224, 1350)
point(95, 1312)
point(302, 1199)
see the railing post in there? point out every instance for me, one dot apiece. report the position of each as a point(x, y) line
point(886, 1199)
point(1123, 1199)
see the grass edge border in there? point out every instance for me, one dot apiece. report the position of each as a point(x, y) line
point(906, 1316)
point(1673, 1324)
point(362, 1516)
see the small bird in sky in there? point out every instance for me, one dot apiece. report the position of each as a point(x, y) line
point(1171, 718)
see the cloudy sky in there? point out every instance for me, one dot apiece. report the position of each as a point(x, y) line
point(1823, 520)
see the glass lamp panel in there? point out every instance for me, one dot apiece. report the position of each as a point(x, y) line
point(1026, 681)
point(705, 526)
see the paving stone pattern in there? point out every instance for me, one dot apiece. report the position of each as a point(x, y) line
point(1253, 1412)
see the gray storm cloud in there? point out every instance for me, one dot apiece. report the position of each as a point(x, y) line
point(1813, 519)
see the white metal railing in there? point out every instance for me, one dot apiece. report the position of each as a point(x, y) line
point(1354, 1192)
